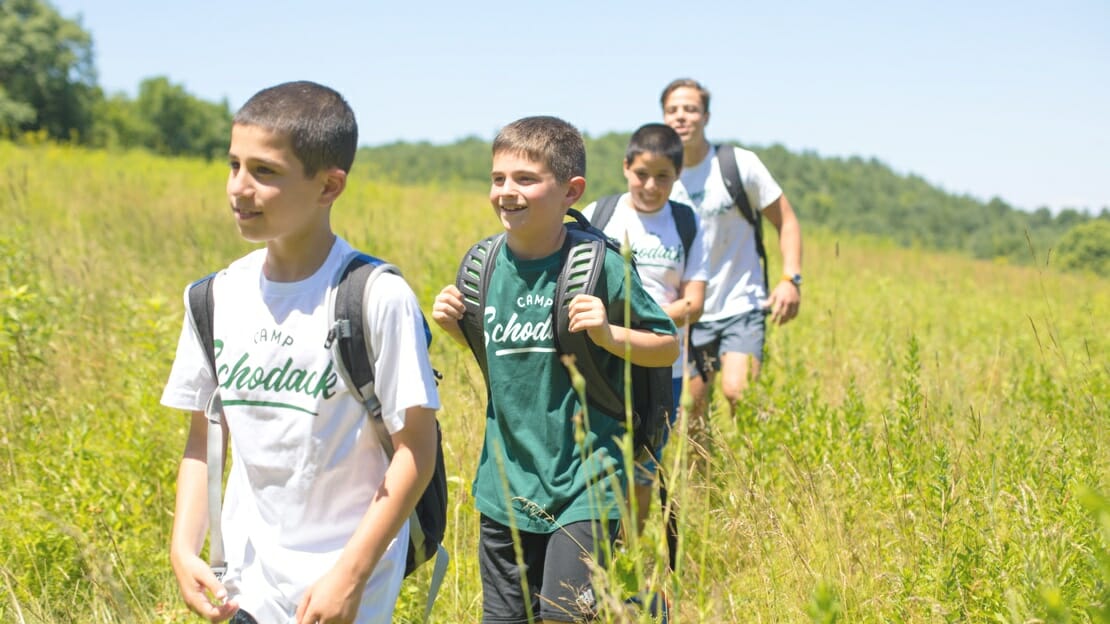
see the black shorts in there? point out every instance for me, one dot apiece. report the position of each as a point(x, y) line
point(555, 563)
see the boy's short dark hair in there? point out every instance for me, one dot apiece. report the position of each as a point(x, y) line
point(678, 83)
point(549, 140)
point(655, 138)
point(319, 123)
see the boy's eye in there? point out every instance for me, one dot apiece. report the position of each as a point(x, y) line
point(233, 165)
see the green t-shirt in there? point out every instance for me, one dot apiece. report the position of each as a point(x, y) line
point(551, 480)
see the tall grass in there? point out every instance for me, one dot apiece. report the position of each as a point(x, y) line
point(930, 440)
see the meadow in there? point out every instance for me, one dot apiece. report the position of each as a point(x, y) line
point(930, 441)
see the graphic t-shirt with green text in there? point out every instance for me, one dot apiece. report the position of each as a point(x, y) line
point(530, 447)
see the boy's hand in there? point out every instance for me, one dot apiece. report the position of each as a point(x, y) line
point(202, 591)
point(448, 310)
point(333, 599)
point(587, 312)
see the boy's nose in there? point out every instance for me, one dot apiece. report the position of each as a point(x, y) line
point(236, 183)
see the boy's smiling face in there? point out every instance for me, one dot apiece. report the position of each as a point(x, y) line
point(270, 195)
point(650, 179)
point(530, 203)
point(685, 111)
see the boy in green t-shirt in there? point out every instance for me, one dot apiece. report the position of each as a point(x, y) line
point(562, 495)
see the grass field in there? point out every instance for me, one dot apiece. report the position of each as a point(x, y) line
point(930, 442)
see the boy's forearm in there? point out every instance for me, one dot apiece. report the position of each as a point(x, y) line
point(647, 347)
point(408, 475)
point(190, 519)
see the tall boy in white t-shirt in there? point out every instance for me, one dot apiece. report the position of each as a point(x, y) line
point(673, 276)
point(315, 516)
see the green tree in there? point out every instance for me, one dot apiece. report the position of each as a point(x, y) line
point(47, 78)
point(1086, 247)
point(182, 124)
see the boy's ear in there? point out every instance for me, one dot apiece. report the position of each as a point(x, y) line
point(576, 187)
point(335, 180)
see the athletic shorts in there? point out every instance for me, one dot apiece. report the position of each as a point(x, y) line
point(554, 562)
point(645, 471)
point(743, 333)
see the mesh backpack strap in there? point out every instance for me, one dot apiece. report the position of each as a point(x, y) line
point(730, 172)
point(200, 305)
point(583, 266)
point(687, 226)
point(472, 280)
point(603, 210)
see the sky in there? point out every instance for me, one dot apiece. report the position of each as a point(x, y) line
point(1007, 99)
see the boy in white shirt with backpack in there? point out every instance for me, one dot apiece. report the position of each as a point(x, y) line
point(315, 515)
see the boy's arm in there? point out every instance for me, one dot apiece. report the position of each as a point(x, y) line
point(688, 307)
point(587, 313)
point(202, 592)
point(448, 310)
point(338, 593)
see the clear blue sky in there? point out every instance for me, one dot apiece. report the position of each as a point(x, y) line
point(992, 98)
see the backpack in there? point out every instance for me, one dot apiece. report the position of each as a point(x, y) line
point(730, 173)
point(348, 341)
point(582, 271)
point(684, 220)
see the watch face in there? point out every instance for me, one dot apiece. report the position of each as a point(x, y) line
point(797, 279)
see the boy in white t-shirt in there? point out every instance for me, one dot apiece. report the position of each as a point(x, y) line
point(673, 275)
point(315, 515)
point(729, 337)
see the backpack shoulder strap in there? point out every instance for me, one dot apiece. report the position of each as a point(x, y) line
point(348, 337)
point(472, 280)
point(603, 210)
point(583, 267)
point(730, 172)
point(201, 305)
point(686, 224)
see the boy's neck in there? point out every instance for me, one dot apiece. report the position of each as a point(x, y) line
point(536, 249)
point(694, 152)
point(294, 260)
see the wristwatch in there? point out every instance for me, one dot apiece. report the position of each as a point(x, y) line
point(795, 279)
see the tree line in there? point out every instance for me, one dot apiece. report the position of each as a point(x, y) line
point(49, 90)
point(852, 195)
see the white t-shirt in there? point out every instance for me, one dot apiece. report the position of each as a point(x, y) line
point(306, 462)
point(657, 248)
point(735, 284)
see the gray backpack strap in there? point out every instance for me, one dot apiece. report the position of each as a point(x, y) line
point(603, 210)
point(472, 281)
point(200, 305)
point(730, 172)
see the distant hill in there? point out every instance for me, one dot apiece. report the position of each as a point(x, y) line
point(851, 195)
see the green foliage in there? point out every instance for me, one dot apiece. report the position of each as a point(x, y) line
point(852, 195)
point(47, 78)
point(925, 444)
point(1086, 247)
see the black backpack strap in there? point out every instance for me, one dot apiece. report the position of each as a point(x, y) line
point(472, 280)
point(347, 314)
point(686, 224)
point(730, 172)
point(202, 306)
point(583, 268)
point(603, 210)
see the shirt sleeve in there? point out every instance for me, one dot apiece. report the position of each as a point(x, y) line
point(402, 369)
point(190, 383)
point(760, 185)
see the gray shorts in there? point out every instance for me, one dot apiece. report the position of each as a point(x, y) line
point(743, 333)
